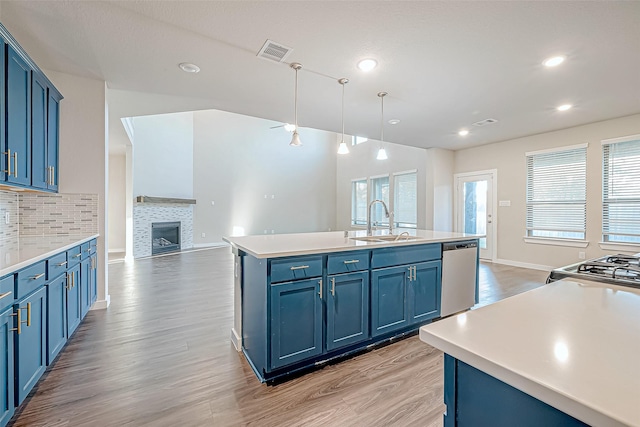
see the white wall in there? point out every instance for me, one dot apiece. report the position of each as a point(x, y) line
point(163, 156)
point(239, 159)
point(508, 158)
point(117, 202)
point(83, 153)
point(434, 174)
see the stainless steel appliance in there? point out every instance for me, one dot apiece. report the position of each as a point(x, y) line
point(459, 276)
point(622, 270)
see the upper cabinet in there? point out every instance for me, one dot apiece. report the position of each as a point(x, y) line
point(29, 123)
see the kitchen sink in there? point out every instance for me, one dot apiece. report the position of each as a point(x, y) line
point(387, 238)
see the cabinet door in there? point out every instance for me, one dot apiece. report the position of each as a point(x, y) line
point(424, 292)
point(31, 342)
point(7, 404)
point(39, 170)
point(73, 300)
point(18, 119)
point(93, 280)
point(85, 296)
point(296, 321)
point(347, 309)
point(56, 316)
point(389, 299)
point(53, 136)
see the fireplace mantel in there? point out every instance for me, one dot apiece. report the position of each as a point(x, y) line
point(164, 200)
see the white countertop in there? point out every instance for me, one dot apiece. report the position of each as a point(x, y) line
point(26, 250)
point(572, 344)
point(281, 245)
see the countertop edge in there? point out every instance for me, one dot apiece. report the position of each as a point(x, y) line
point(551, 396)
point(25, 263)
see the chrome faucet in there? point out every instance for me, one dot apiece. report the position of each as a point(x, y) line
point(386, 214)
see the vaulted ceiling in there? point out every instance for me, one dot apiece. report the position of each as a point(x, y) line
point(444, 64)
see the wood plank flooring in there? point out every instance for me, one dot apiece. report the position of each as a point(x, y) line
point(161, 356)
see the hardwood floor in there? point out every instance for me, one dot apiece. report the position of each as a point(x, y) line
point(161, 356)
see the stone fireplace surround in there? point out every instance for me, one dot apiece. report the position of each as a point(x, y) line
point(146, 213)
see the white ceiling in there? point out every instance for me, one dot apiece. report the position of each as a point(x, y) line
point(444, 64)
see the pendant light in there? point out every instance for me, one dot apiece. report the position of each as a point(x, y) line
point(382, 154)
point(342, 148)
point(295, 140)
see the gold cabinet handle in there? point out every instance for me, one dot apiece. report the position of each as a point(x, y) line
point(333, 286)
point(73, 280)
point(60, 264)
point(299, 267)
point(36, 277)
point(6, 294)
point(28, 314)
point(8, 169)
point(18, 327)
point(68, 286)
point(320, 293)
point(352, 261)
point(77, 255)
point(15, 164)
point(53, 175)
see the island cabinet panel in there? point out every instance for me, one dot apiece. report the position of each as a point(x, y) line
point(474, 398)
point(424, 292)
point(389, 310)
point(347, 300)
point(30, 342)
point(56, 316)
point(296, 321)
point(7, 403)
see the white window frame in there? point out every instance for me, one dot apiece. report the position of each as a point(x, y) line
point(396, 223)
point(529, 228)
point(354, 220)
point(607, 201)
point(384, 222)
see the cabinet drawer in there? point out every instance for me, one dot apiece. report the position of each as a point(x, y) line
point(298, 268)
point(348, 262)
point(7, 291)
point(387, 257)
point(93, 246)
point(30, 279)
point(56, 265)
point(85, 249)
point(73, 256)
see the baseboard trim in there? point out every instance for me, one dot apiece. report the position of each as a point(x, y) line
point(236, 340)
point(114, 250)
point(210, 245)
point(102, 304)
point(522, 264)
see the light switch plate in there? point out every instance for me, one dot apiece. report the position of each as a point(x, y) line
point(504, 202)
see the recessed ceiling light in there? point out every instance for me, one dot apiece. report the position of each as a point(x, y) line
point(463, 132)
point(394, 121)
point(188, 67)
point(554, 61)
point(564, 107)
point(367, 65)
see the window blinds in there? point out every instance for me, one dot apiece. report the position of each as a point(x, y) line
point(405, 200)
point(621, 191)
point(556, 193)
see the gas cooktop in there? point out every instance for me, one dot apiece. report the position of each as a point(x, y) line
point(623, 270)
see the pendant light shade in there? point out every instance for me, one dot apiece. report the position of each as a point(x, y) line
point(382, 154)
point(342, 148)
point(295, 139)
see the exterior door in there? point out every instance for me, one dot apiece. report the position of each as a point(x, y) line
point(475, 209)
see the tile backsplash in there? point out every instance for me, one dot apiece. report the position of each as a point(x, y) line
point(51, 214)
point(8, 204)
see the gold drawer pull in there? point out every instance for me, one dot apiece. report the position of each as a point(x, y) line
point(353, 261)
point(77, 255)
point(18, 327)
point(300, 267)
point(37, 276)
point(60, 264)
point(6, 294)
point(28, 314)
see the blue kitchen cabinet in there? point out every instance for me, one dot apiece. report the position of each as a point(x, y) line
point(389, 311)
point(39, 167)
point(56, 316)
point(347, 300)
point(74, 313)
point(93, 279)
point(86, 285)
point(30, 342)
point(424, 291)
point(53, 137)
point(18, 119)
point(296, 321)
point(7, 403)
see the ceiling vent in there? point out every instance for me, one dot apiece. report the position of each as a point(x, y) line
point(274, 51)
point(485, 122)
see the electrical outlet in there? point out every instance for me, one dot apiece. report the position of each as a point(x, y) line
point(203, 235)
point(581, 255)
point(6, 217)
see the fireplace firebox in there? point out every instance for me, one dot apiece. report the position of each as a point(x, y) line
point(165, 237)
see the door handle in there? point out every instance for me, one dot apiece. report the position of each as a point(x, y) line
point(8, 169)
point(18, 327)
point(410, 273)
point(36, 277)
point(15, 164)
point(320, 293)
point(333, 286)
point(300, 267)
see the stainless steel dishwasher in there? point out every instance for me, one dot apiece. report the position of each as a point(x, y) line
point(459, 276)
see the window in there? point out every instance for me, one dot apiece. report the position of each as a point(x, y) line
point(359, 202)
point(380, 190)
point(556, 193)
point(355, 140)
point(621, 190)
point(405, 200)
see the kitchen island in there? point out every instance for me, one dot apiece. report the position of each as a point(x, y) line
point(562, 354)
point(308, 298)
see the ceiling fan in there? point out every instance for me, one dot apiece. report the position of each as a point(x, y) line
point(288, 127)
